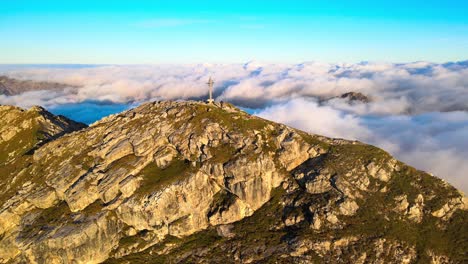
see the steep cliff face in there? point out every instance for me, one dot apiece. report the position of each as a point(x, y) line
point(190, 182)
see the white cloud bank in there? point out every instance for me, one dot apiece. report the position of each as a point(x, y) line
point(418, 110)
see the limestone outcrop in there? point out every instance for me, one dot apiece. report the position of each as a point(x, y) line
point(186, 182)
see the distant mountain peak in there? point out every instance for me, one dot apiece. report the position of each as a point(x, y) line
point(355, 96)
point(12, 86)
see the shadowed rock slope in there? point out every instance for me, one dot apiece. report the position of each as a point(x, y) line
point(187, 182)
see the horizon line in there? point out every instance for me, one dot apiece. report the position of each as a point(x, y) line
point(230, 63)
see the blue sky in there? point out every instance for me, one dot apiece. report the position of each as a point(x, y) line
point(139, 32)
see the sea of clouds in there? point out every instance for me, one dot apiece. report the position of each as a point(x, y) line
point(418, 111)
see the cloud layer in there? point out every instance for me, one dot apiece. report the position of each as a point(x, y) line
point(418, 112)
point(412, 88)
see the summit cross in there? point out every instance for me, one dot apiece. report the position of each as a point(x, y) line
point(210, 85)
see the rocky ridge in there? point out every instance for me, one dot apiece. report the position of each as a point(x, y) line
point(185, 182)
point(21, 130)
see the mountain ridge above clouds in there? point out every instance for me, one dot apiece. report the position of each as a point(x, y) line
point(418, 110)
point(399, 87)
point(11, 86)
point(189, 182)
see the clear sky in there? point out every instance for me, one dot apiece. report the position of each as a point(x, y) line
point(128, 32)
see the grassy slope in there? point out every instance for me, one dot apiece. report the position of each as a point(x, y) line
point(24, 140)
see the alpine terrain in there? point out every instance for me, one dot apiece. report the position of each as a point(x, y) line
point(190, 182)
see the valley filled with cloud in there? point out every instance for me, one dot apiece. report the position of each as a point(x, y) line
point(416, 111)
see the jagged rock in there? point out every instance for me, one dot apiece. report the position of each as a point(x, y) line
point(294, 152)
point(294, 219)
point(415, 212)
point(225, 231)
point(380, 172)
point(450, 207)
point(349, 207)
point(436, 259)
point(43, 198)
point(394, 250)
point(402, 204)
point(316, 222)
point(319, 184)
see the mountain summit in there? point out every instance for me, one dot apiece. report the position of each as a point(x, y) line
point(189, 182)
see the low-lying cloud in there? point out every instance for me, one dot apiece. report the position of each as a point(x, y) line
point(418, 111)
point(412, 88)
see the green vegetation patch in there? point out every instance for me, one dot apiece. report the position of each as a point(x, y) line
point(11, 179)
point(21, 143)
point(343, 158)
point(411, 182)
point(45, 220)
point(222, 153)
point(313, 140)
point(231, 120)
point(156, 178)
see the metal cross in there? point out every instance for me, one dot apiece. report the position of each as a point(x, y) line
point(210, 85)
